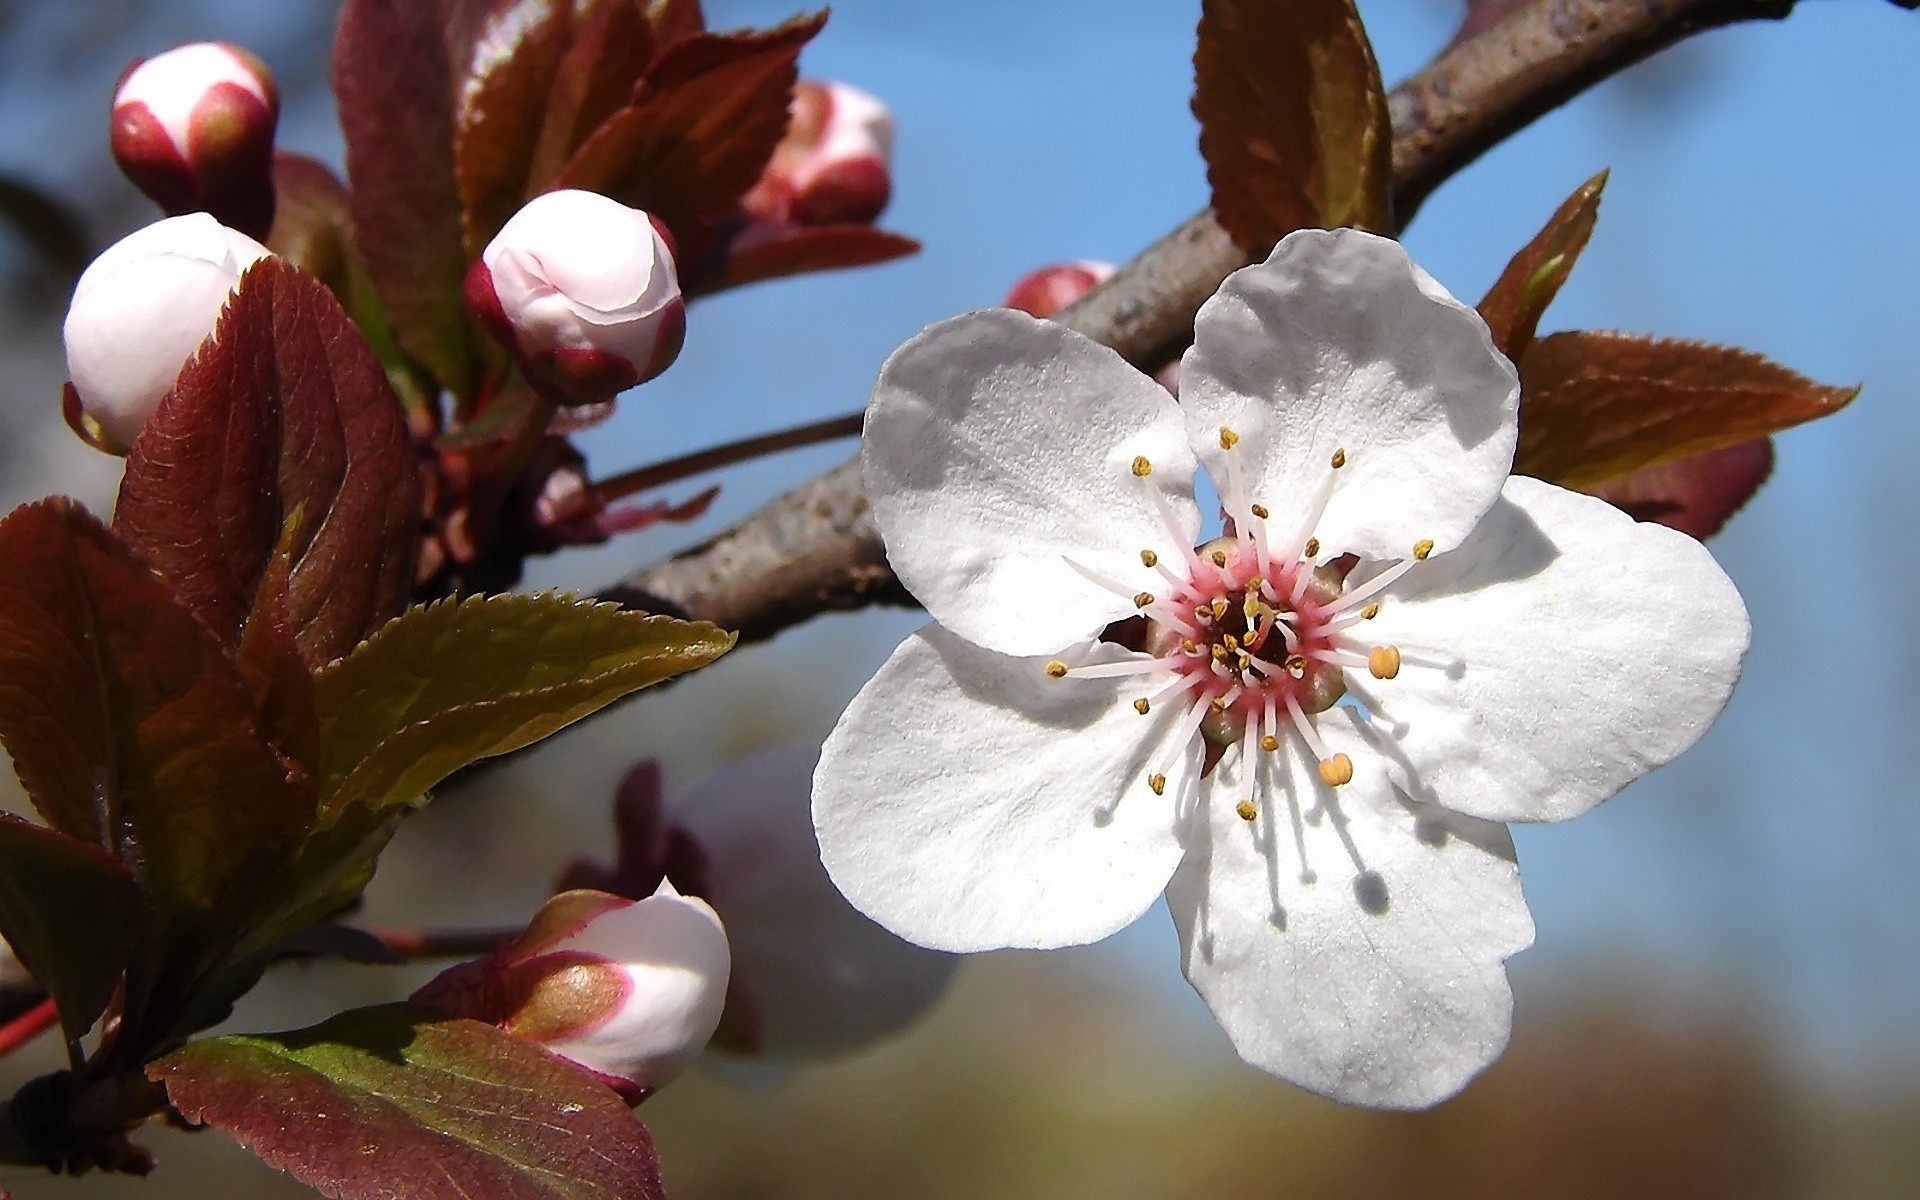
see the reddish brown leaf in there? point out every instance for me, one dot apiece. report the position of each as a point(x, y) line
point(1293, 119)
point(284, 414)
point(399, 1101)
point(1695, 495)
point(1596, 406)
point(703, 123)
point(675, 19)
point(1530, 282)
point(502, 107)
point(795, 250)
point(127, 725)
point(67, 908)
point(395, 85)
point(612, 46)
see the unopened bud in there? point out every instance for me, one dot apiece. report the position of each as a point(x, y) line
point(582, 289)
point(1046, 291)
point(834, 165)
point(142, 308)
point(629, 989)
point(193, 128)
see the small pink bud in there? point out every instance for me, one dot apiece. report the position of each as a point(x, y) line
point(629, 989)
point(142, 308)
point(582, 289)
point(193, 128)
point(1046, 291)
point(834, 166)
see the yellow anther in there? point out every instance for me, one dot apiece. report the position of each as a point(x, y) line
point(1218, 704)
point(1339, 459)
point(1141, 466)
point(1149, 558)
point(1255, 584)
point(1313, 547)
point(1259, 510)
point(1219, 608)
point(1422, 548)
point(1246, 810)
point(1384, 661)
point(1141, 706)
point(1269, 743)
point(1189, 646)
point(1057, 669)
point(1296, 664)
point(1219, 653)
point(1219, 558)
point(1231, 642)
point(1158, 783)
point(1370, 611)
point(1336, 770)
point(1143, 599)
point(1228, 438)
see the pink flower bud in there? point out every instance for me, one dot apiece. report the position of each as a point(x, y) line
point(629, 989)
point(193, 128)
point(582, 289)
point(833, 167)
point(142, 308)
point(1046, 291)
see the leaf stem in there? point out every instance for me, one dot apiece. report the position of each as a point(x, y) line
point(619, 487)
point(414, 944)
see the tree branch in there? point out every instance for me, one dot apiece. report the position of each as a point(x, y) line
point(816, 548)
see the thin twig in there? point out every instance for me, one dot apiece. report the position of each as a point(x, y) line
point(816, 549)
point(641, 479)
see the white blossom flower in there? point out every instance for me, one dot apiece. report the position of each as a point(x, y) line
point(834, 164)
point(193, 128)
point(584, 291)
point(141, 310)
point(1305, 730)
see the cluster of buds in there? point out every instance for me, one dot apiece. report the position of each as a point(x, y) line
point(631, 990)
point(139, 312)
point(834, 165)
point(193, 128)
point(583, 291)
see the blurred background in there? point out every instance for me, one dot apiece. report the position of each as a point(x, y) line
point(1721, 998)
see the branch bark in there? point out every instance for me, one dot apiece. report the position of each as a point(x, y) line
point(816, 549)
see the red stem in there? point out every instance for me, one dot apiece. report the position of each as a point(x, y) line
point(28, 1025)
point(619, 487)
point(444, 943)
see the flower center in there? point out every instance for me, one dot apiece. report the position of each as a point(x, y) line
point(1249, 632)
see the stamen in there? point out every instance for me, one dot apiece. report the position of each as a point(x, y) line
point(1144, 665)
point(1316, 508)
point(1259, 510)
point(1339, 459)
point(1142, 599)
point(1057, 669)
point(1336, 770)
point(1384, 662)
point(1142, 706)
point(1422, 548)
point(1158, 783)
point(1183, 736)
point(1141, 467)
point(1370, 611)
point(1313, 547)
point(1219, 558)
point(1246, 811)
point(1149, 559)
point(1366, 590)
point(1228, 438)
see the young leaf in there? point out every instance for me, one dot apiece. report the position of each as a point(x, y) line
point(1514, 304)
point(128, 726)
point(500, 114)
point(399, 1102)
point(673, 20)
point(395, 85)
point(1694, 495)
point(452, 683)
point(612, 45)
point(67, 908)
point(702, 126)
point(1293, 119)
point(794, 250)
point(1595, 406)
point(284, 412)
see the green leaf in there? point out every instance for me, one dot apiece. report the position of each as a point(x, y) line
point(128, 726)
point(68, 909)
point(503, 108)
point(1596, 406)
point(285, 411)
point(1517, 299)
point(1293, 119)
point(393, 73)
point(451, 683)
point(399, 1102)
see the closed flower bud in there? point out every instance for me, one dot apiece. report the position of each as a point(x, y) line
point(193, 128)
point(583, 290)
point(1046, 291)
point(629, 989)
point(142, 308)
point(833, 167)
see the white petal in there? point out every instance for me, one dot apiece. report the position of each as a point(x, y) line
point(1369, 970)
point(966, 801)
point(818, 977)
point(998, 447)
point(1340, 342)
point(1573, 649)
